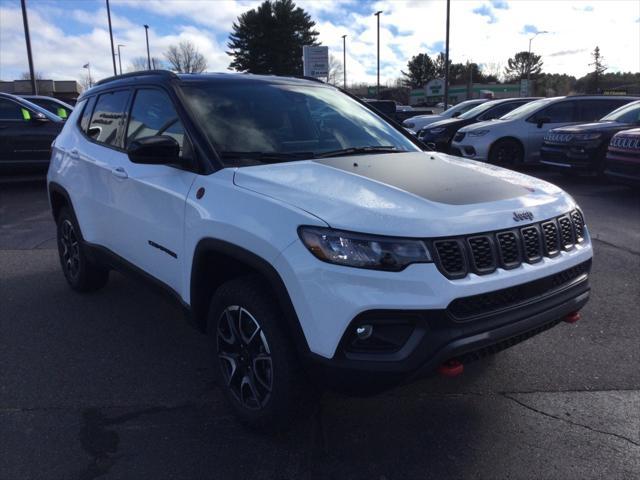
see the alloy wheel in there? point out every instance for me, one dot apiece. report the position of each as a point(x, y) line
point(245, 357)
point(70, 248)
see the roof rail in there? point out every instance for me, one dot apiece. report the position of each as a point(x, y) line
point(141, 73)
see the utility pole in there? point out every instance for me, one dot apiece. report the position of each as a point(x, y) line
point(88, 67)
point(27, 37)
point(446, 62)
point(146, 32)
point(377, 14)
point(344, 61)
point(529, 62)
point(113, 52)
point(120, 56)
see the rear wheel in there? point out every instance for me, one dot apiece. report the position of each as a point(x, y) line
point(506, 152)
point(254, 358)
point(82, 274)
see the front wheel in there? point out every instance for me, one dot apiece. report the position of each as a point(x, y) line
point(257, 367)
point(507, 153)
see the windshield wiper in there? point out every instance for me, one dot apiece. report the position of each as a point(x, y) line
point(266, 157)
point(360, 151)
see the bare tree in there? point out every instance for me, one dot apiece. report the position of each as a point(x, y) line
point(27, 75)
point(185, 58)
point(140, 63)
point(493, 70)
point(336, 71)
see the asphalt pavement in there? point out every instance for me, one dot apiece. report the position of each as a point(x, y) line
point(115, 385)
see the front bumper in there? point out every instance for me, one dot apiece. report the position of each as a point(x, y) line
point(476, 148)
point(583, 157)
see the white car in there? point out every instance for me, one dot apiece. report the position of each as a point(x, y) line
point(420, 121)
point(314, 249)
point(517, 137)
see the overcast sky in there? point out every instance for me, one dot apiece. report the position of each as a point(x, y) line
point(66, 34)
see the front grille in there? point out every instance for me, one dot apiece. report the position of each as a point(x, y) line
point(566, 232)
point(467, 308)
point(484, 253)
point(451, 258)
point(459, 136)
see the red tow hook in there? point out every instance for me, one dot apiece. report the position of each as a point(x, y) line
point(451, 368)
point(573, 317)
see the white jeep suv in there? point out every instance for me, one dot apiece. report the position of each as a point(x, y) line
point(315, 243)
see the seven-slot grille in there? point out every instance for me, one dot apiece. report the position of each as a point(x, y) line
point(482, 254)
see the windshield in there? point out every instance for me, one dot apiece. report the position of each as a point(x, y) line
point(629, 113)
point(527, 108)
point(477, 110)
point(461, 107)
point(281, 122)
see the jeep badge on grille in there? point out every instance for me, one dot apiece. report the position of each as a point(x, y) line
point(522, 215)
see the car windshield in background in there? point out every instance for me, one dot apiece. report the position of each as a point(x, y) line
point(477, 110)
point(279, 122)
point(629, 113)
point(52, 106)
point(37, 108)
point(526, 109)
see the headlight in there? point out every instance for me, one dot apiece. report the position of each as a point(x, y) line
point(362, 250)
point(437, 130)
point(409, 124)
point(477, 133)
point(586, 136)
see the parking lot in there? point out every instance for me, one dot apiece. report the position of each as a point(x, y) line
point(115, 385)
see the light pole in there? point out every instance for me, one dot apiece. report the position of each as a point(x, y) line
point(344, 61)
point(529, 62)
point(27, 37)
point(113, 52)
point(446, 63)
point(377, 14)
point(146, 32)
point(120, 56)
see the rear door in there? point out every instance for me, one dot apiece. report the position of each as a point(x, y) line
point(556, 115)
point(148, 201)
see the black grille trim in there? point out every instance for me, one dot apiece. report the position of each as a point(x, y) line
point(468, 308)
point(483, 253)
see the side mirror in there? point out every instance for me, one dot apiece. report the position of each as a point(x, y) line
point(542, 120)
point(157, 150)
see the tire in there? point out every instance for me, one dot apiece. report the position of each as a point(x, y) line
point(507, 153)
point(82, 274)
point(254, 358)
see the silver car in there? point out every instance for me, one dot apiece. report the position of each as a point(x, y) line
point(517, 137)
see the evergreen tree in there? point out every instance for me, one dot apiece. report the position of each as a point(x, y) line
point(421, 71)
point(269, 39)
point(521, 63)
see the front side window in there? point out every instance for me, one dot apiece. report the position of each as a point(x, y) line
point(560, 112)
point(107, 116)
point(11, 110)
point(500, 110)
point(153, 114)
point(288, 121)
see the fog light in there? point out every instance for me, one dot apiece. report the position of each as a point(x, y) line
point(364, 332)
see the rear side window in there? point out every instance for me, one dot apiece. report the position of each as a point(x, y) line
point(153, 114)
point(561, 112)
point(593, 110)
point(86, 113)
point(107, 117)
point(10, 110)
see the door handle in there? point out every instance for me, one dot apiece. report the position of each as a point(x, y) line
point(74, 153)
point(119, 172)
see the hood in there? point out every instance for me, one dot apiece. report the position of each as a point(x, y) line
point(596, 127)
point(417, 194)
point(485, 124)
point(450, 122)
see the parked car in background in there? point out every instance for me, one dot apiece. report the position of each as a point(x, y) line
point(441, 133)
point(55, 106)
point(420, 121)
point(517, 137)
point(26, 134)
point(584, 147)
point(623, 157)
